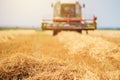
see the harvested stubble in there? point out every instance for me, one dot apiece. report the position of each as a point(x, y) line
point(109, 35)
point(8, 35)
point(99, 55)
point(95, 46)
point(26, 67)
point(67, 56)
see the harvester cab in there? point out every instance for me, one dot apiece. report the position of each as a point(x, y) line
point(68, 16)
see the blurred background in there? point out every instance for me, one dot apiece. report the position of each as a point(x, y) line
point(29, 13)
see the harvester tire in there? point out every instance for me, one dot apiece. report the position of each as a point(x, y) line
point(86, 31)
point(80, 31)
point(55, 32)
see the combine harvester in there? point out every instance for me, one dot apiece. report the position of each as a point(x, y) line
point(68, 16)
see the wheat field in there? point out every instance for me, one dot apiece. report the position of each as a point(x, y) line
point(37, 55)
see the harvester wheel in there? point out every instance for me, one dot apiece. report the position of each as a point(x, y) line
point(80, 31)
point(86, 31)
point(55, 32)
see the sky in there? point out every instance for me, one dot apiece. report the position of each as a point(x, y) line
point(29, 13)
